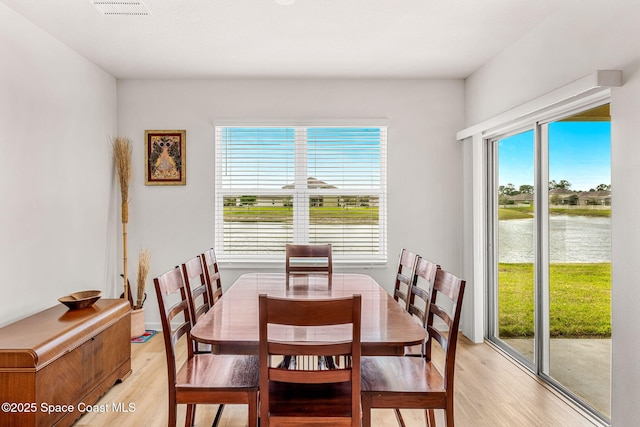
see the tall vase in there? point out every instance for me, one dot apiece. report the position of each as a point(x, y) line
point(137, 322)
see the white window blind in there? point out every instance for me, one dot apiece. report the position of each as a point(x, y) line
point(301, 184)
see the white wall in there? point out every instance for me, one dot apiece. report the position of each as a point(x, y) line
point(585, 36)
point(57, 218)
point(424, 177)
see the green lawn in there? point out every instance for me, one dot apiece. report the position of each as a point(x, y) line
point(521, 212)
point(580, 300)
point(317, 215)
point(581, 211)
point(258, 213)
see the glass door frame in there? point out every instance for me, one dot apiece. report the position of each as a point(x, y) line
point(540, 366)
point(492, 248)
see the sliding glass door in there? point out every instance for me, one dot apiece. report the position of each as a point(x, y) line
point(579, 218)
point(513, 300)
point(550, 289)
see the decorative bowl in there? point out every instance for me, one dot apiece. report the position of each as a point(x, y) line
point(82, 299)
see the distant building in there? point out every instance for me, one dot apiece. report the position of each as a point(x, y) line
point(315, 201)
point(565, 197)
point(595, 198)
point(318, 201)
point(522, 198)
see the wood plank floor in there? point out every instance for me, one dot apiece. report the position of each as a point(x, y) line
point(491, 391)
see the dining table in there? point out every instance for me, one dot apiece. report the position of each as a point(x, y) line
point(231, 324)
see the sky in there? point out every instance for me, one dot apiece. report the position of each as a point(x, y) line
point(265, 157)
point(579, 152)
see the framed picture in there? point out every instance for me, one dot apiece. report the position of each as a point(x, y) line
point(165, 157)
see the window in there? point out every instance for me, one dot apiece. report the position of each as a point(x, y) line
point(301, 184)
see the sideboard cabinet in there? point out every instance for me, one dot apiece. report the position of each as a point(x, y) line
point(58, 361)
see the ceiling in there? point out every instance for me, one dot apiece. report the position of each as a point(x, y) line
point(308, 39)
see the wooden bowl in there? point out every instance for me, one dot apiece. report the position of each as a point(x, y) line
point(82, 299)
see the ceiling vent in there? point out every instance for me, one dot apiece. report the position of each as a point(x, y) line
point(121, 7)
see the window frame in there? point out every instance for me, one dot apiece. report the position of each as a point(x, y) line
point(301, 192)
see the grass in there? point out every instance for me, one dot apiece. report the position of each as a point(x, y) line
point(317, 215)
point(580, 300)
point(522, 212)
point(581, 211)
point(258, 214)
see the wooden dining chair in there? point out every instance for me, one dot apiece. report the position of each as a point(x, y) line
point(404, 277)
point(212, 274)
point(307, 395)
point(412, 382)
point(203, 378)
point(199, 295)
point(420, 290)
point(308, 259)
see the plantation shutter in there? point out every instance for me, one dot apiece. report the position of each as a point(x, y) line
point(319, 184)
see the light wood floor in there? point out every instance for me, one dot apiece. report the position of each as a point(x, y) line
point(490, 391)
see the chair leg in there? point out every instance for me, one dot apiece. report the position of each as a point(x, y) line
point(330, 362)
point(216, 420)
point(263, 412)
point(365, 401)
point(173, 410)
point(448, 414)
point(188, 420)
point(399, 417)
point(253, 410)
point(431, 417)
point(172, 415)
point(286, 361)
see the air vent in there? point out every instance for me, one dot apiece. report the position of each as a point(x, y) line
point(123, 7)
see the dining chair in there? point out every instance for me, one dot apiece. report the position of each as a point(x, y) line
point(199, 295)
point(203, 378)
point(308, 395)
point(308, 259)
point(410, 382)
point(404, 277)
point(212, 274)
point(420, 290)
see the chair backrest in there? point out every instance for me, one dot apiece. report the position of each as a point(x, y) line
point(198, 292)
point(445, 286)
point(308, 259)
point(212, 274)
point(420, 290)
point(404, 277)
point(173, 329)
point(318, 313)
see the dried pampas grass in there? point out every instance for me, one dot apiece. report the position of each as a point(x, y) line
point(122, 154)
point(144, 264)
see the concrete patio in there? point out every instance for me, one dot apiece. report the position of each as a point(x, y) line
point(581, 365)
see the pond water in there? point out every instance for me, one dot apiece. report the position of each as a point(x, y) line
point(270, 237)
point(573, 239)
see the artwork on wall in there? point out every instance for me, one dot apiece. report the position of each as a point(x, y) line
point(165, 157)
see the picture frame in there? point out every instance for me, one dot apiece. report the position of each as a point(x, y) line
point(165, 157)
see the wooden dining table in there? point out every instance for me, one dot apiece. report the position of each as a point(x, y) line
point(231, 325)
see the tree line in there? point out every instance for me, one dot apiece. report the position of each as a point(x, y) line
point(511, 190)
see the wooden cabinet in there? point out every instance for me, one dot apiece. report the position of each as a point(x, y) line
point(56, 362)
